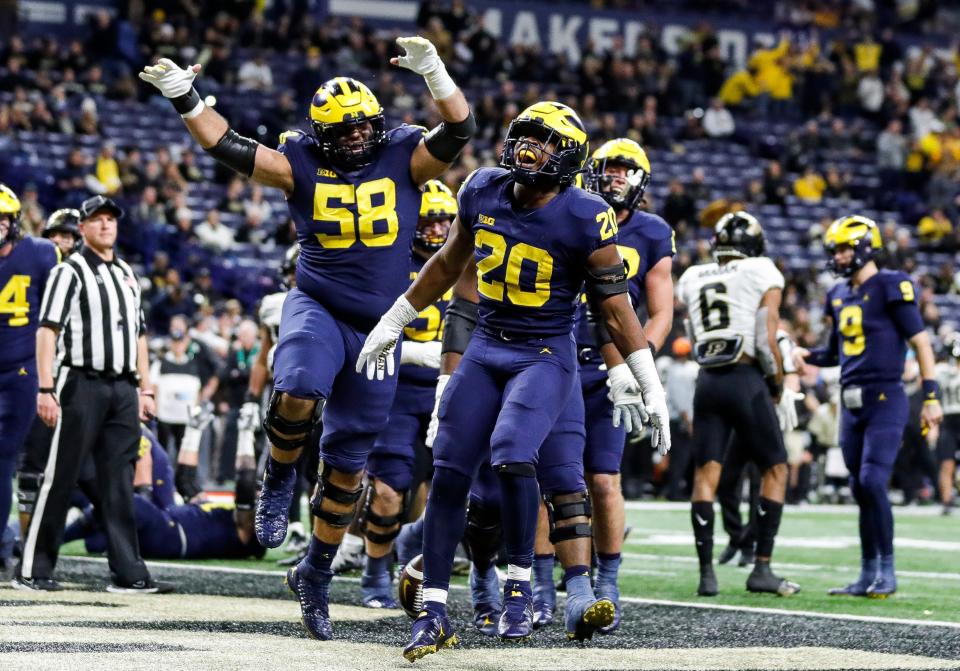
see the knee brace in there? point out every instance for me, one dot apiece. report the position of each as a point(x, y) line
point(483, 534)
point(565, 511)
point(522, 470)
point(385, 521)
point(274, 424)
point(328, 490)
point(28, 487)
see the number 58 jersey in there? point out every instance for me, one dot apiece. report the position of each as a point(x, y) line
point(355, 229)
point(531, 263)
point(723, 301)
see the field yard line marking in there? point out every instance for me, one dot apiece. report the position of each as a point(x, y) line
point(666, 537)
point(800, 613)
point(627, 599)
point(797, 566)
point(817, 508)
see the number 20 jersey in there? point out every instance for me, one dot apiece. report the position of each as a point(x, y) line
point(723, 301)
point(531, 263)
point(355, 229)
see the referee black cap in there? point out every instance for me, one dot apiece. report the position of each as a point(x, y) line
point(93, 205)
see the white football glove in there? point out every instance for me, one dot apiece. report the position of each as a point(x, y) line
point(377, 352)
point(787, 409)
point(420, 56)
point(249, 417)
point(426, 354)
point(645, 371)
point(201, 415)
point(434, 424)
point(627, 401)
point(172, 80)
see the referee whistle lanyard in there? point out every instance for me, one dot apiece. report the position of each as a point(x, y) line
point(243, 358)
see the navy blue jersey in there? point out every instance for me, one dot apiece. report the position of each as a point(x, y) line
point(871, 326)
point(644, 239)
point(23, 277)
point(427, 327)
point(211, 532)
point(162, 473)
point(355, 229)
point(531, 263)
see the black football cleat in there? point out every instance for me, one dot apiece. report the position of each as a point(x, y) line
point(762, 579)
point(708, 582)
point(36, 584)
point(273, 510)
point(728, 554)
point(312, 589)
point(148, 586)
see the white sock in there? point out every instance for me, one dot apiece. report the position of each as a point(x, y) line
point(435, 595)
point(352, 543)
point(515, 572)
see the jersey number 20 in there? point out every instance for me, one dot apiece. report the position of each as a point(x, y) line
point(382, 190)
point(537, 259)
point(13, 300)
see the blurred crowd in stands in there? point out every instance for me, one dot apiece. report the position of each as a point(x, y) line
point(836, 113)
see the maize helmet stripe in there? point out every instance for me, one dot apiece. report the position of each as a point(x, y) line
point(623, 150)
point(437, 200)
point(343, 99)
point(558, 117)
point(850, 230)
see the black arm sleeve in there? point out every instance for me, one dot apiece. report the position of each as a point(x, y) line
point(460, 321)
point(447, 140)
point(236, 152)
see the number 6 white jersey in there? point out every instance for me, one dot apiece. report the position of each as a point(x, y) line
point(722, 302)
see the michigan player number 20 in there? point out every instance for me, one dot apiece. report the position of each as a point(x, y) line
point(538, 261)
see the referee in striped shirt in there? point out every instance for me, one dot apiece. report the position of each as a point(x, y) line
point(94, 406)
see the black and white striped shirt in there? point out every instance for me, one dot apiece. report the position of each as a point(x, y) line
point(95, 305)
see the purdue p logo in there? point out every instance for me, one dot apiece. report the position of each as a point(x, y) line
point(715, 348)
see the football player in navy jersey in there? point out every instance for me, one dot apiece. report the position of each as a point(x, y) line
point(535, 242)
point(619, 173)
point(875, 316)
point(354, 193)
point(25, 264)
point(391, 463)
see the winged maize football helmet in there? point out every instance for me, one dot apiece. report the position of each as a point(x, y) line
point(338, 106)
point(628, 154)
point(738, 235)
point(531, 164)
point(437, 204)
point(9, 209)
point(859, 233)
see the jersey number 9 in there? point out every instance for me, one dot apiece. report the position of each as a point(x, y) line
point(13, 300)
point(851, 328)
point(362, 227)
point(539, 259)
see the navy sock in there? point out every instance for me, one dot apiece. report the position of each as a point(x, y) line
point(887, 568)
point(320, 555)
point(869, 569)
point(701, 517)
point(873, 481)
point(868, 536)
point(378, 566)
point(768, 523)
point(608, 566)
point(520, 507)
point(443, 525)
point(8, 465)
point(277, 471)
point(543, 570)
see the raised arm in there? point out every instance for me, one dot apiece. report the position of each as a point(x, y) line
point(441, 145)
point(242, 154)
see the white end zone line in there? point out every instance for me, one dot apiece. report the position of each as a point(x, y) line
point(818, 508)
point(627, 599)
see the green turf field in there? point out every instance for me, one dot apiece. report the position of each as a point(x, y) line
point(817, 547)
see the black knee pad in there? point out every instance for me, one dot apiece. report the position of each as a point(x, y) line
point(385, 521)
point(484, 533)
point(185, 481)
point(28, 488)
point(245, 494)
point(516, 469)
point(566, 511)
point(275, 424)
point(328, 490)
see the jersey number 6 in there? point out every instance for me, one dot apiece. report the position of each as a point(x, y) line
point(539, 259)
point(362, 227)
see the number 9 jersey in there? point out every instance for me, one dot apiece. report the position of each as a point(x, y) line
point(355, 229)
point(531, 258)
point(723, 302)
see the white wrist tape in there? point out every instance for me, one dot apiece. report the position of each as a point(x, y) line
point(440, 83)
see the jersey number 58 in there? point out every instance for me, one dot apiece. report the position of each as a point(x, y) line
point(361, 227)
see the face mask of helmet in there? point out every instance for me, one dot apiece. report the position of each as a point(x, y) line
point(345, 152)
point(427, 238)
point(629, 194)
point(531, 164)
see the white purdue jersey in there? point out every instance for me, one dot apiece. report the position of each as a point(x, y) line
point(271, 307)
point(948, 376)
point(723, 301)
